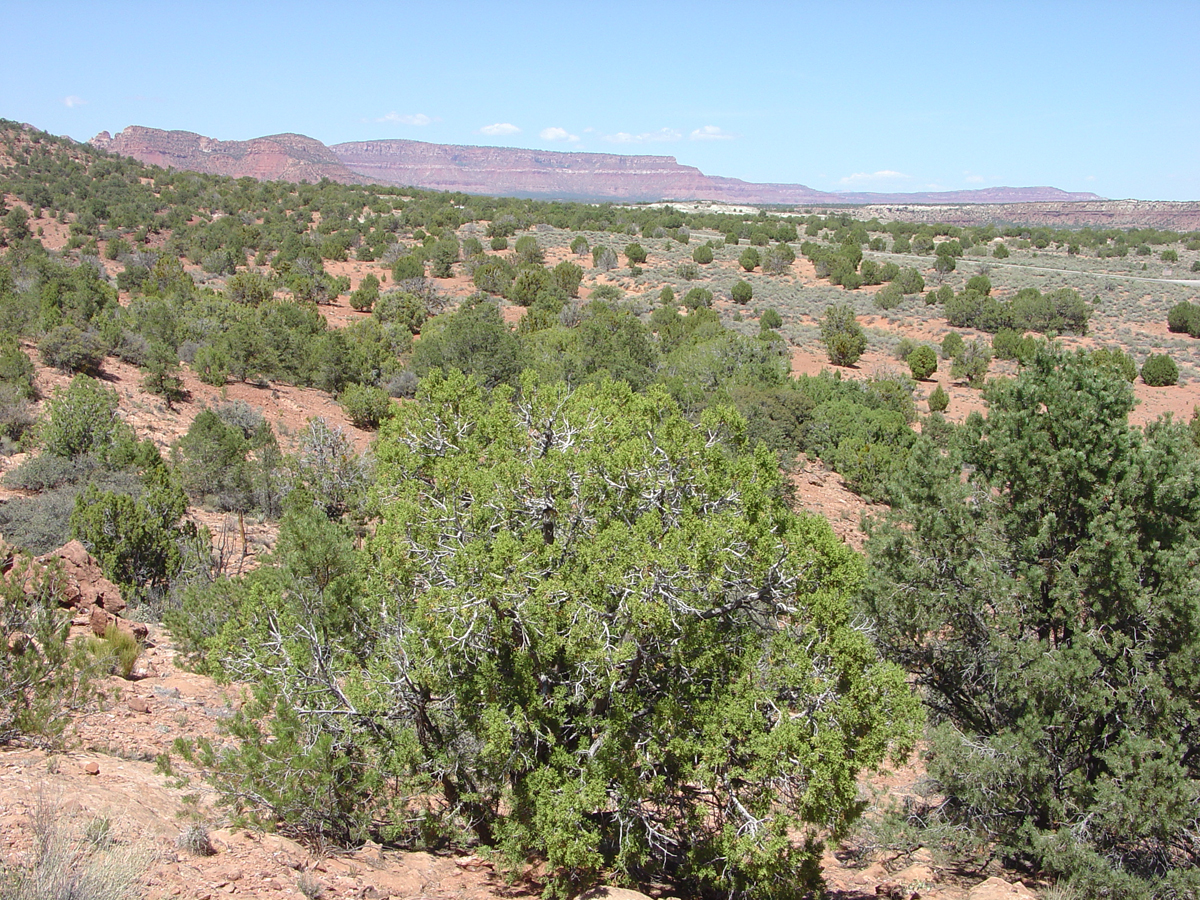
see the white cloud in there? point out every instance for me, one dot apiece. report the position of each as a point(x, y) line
point(393, 118)
point(499, 128)
point(974, 179)
point(647, 137)
point(868, 177)
point(711, 133)
point(558, 134)
point(72, 101)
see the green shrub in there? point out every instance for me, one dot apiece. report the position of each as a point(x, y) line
point(1004, 580)
point(952, 345)
point(1000, 251)
point(604, 259)
point(411, 265)
point(535, 632)
point(365, 295)
point(529, 251)
point(1184, 317)
point(972, 363)
point(939, 400)
point(1159, 370)
point(843, 337)
point(666, 296)
point(1118, 359)
point(70, 350)
point(579, 246)
point(889, 296)
point(749, 259)
point(81, 419)
point(499, 242)
point(698, 297)
point(741, 293)
point(702, 254)
point(41, 681)
point(635, 253)
point(922, 362)
point(771, 319)
point(1010, 344)
point(365, 406)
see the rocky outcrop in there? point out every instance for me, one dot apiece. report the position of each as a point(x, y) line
point(95, 601)
point(282, 157)
point(503, 171)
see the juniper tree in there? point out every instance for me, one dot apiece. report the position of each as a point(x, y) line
point(1039, 583)
point(590, 632)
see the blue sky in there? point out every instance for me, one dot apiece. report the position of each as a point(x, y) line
point(891, 96)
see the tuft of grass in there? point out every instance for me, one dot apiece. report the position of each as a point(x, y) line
point(194, 839)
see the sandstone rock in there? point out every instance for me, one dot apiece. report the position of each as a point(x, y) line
point(91, 768)
point(138, 705)
point(916, 874)
point(84, 583)
point(604, 892)
point(100, 620)
point(142, 668)
point(999, 889)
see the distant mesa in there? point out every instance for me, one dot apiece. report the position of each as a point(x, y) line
point(502, 171)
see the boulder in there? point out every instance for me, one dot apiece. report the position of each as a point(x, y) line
point(999, 889)
point(84, 583)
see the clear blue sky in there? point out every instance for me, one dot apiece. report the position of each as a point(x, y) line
point(894, 96)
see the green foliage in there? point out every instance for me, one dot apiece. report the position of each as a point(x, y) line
point(250, 288)
point(910, 281)
point(667, 296)
point(1044, 597)
point(473, 340)
point(889, 296)
point(635, 661)
point(697, 298)
point(366, 294)
point(843, 337)
point(138, 542)
point(579, 246)
point(70, 350)
point(972, 363)
point(499, 242)
point(401, 309)
point(741, 292)
point(922, 362)
point(1010, 344)
point(635, 253)
point(702, 254)
point(567, 276)
point(939, 400)
point(528, 250)
point(82, 419)
point(952, 345)
point(411, 265)
point(771, 319)
point(750, 259)
point(1118, 359)
point(604, 259)
point(366, 406)
point(1184, 317)
point(1000, 251)
point(41, 681)
point(1159, 370)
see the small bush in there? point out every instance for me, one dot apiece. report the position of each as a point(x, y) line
point(889, 296)
point(667, 296)
point(750, 259)
point(844, 339)
point(579, 246)
point(499, 242)
point(741, 293)
point(118, 650)
point(1159, 370)
point(952, 345)
point(771, 319)
point(194, 839)
point(939, 400)
point(688, 271)
point(70, 350)
point(698, 297)
point(1000, 251)
point(635, 253)
point(922, 362)
point(366, 406)
point(702, 254)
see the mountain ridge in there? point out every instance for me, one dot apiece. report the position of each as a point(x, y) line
point(506, 171)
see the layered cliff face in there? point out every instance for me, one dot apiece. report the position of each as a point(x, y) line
point(524, 173)
point(283, 157)
point(504, 171)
